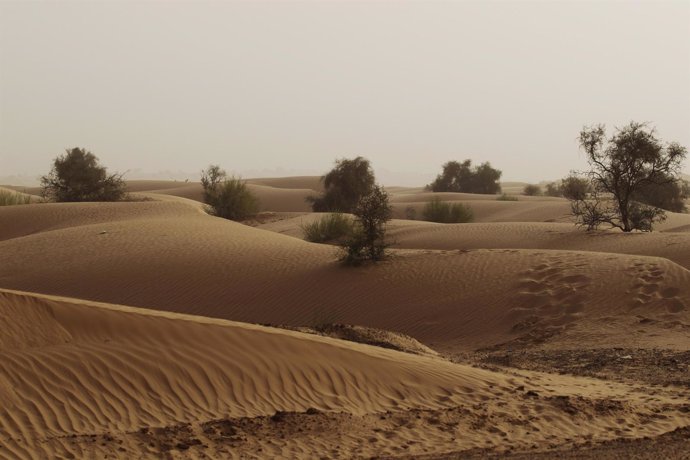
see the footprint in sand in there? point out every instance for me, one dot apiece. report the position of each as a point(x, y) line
point(553, 290)
point(647, 288)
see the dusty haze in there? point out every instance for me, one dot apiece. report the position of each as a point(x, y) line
point(279, 89)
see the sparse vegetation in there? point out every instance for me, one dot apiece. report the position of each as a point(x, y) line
point(505, 197)
point(531, 190)
point(10, 198)
point(622, 167)
point(575, 187)
point(78, 176)
point(367, 241)
point(670, 195)
point(345, 185)
point(333, 227)
point(227, 197)
point(553, 189)
point(461, 177)
point(447, 213)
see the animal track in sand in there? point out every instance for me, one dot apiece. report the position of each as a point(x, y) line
point(648, 288)
point(554, 291)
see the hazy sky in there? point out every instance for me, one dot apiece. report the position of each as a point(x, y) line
point(265, 88)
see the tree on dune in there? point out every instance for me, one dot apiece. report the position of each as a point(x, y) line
point(575, 187)
point(78, 176)
point(367, 242)
point(461, 177)
point(345, 185)
point(623, 170)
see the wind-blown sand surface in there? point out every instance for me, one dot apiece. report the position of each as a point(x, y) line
point(523, 299)
point(87, 380)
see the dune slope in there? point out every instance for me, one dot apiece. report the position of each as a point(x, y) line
point(96, 380)
point(173, 257)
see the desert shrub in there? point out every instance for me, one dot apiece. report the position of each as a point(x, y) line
point(345, 185)
point(447, 213)
point(669, 195)
point(331, 227)
point(227, 197)
point(367, 241)
point(531, 190)
point(461, 177)
point(553, 189)
point(504, 197)
point(78, 176)
point(575, 188)
point(10, 198)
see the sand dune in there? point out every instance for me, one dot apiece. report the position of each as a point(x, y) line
point(94, 380)
point(173, 257)
point(21, 191)
point(94, 391)
point(673, 244)
point(281, 195)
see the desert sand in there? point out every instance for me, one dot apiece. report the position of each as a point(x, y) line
point(149, 329)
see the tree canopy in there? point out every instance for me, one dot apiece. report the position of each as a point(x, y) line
point(78, 176)
point(622, 167)
point(345, 185)
point(462, 177)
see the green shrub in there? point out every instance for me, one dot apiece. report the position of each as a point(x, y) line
point(9, 198)
point(462, 177)
point(553, 189)
point(228, 198)
point(78, 176)
point(446, 213)
point(505, 197)
point(531, 190)
point(367, 241)
point(344, 185)
point(329, 228)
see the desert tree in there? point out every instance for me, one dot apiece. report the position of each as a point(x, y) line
point(553, 189)
point(77, 175)
point(670, 195)
point(621, 166)
point(227, 197)
point(462, 177)
point(455, 177)
point(368, 240)
point(575, 187)
point(344, 185)
point(531, 190)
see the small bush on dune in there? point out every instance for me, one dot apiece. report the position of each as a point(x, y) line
point(329, 228)
point(505, 197)
point(447, 213)
point(575, 187)
point(531, 190)
point(553, 189)
point(9, 198)
point(226, 197)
